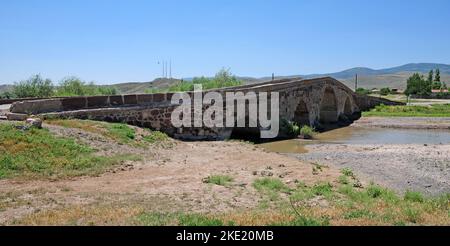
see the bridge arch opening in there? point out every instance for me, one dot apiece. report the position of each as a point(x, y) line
point(301, 114)
point(328, 107)
point(348, 107)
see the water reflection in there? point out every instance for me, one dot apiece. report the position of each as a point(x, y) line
point(359, 135)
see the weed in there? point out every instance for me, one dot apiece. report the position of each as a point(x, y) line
point(347, 172)
point(222, 180)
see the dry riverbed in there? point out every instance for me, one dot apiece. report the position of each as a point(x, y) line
point(410, 166)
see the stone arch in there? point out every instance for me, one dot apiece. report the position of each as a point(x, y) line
point(328, 107)
point(301, 114)
point(348, 107)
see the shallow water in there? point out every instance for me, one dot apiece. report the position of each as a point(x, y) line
point(360, 135)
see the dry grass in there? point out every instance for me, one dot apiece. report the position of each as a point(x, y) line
point(83, 215)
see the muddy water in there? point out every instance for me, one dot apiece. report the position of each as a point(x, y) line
point(361, 135)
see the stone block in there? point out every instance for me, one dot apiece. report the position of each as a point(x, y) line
point(74, 103)
point(130, 99)
point(97, 101)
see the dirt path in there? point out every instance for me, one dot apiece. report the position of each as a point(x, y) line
point(165, 179)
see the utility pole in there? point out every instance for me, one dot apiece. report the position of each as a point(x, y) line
point(165, 71)
point(170, 69)
point(356, 82)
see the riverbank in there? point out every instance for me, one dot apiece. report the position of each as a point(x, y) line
point(404, 122)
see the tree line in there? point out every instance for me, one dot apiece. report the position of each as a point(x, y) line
point(418, 85)
point(38, 87)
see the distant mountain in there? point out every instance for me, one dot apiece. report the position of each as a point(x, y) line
point(394, 77)
point(140, 87)
point(363, 71)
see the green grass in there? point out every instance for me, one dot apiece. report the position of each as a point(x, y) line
point(373, 205)
point(223, 180)
point(271, 187)
point(436, 110)
point(413, 196)
point(156, 137)
point(270, 184)
point(119, 132)
point(38, 153)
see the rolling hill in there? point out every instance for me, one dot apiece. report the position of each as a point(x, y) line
point(368, 78)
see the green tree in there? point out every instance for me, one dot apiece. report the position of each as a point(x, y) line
point(417, 85)
point(362, 91)
point(430, 76)
point(73, 86)
point(35, 86)
point(385, 91)
point(437, 78)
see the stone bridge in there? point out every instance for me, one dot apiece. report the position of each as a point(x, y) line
point(315, 102)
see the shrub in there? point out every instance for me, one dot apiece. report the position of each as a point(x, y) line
point(223, 78)
point(385, 91)
point(307, 132)
point(73, 86)
point(362, 91)
point(35, 86)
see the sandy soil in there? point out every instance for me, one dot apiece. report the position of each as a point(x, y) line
point(167, 179)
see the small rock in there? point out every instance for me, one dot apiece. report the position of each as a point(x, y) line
point(357, 184)
point(34, 122)
point(266, 174)
point(425, 145)
point(255, 172)
point(281, 165)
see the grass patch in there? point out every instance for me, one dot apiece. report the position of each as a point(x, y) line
point(119, 132)
point(156, 137)
point(413, 196)
point(271, 187)
point(270, 184)
point(436, 110)
point(38, 153)
point(223, 180)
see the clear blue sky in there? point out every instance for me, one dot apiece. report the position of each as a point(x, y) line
point(111, 41)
